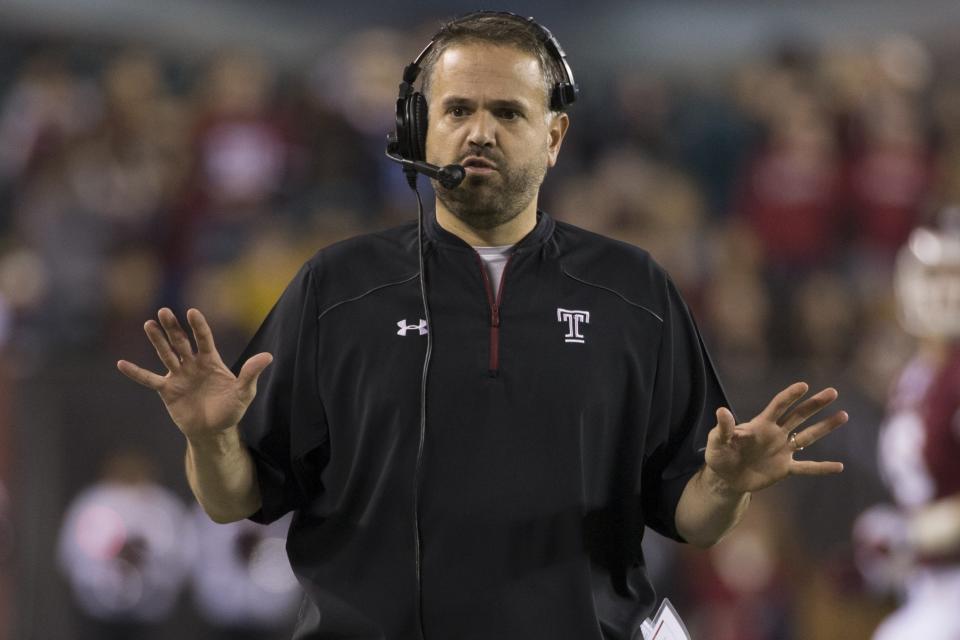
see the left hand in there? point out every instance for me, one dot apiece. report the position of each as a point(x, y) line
point(756, 454)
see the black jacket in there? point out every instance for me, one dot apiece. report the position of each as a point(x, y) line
point(564, 413)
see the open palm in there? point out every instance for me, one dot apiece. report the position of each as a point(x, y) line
point(756, 454)
point(200, 392)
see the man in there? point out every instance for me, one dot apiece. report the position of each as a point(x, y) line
point(566, 406)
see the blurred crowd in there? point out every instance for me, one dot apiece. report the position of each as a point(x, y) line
point(776, 194)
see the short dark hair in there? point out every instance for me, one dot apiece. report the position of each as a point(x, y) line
point(501, 29)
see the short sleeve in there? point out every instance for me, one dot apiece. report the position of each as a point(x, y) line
point(285, 427)
point(687, 393)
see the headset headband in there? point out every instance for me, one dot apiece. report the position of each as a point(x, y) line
point(564, 92)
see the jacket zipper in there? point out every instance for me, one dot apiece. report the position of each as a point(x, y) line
point(494, 365)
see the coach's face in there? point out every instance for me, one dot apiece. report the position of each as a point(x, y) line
point(488, 111)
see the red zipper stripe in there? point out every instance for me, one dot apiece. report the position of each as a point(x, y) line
point(494, 364)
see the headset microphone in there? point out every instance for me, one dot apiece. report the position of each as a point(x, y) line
point(449, 176)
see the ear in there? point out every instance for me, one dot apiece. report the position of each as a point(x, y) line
point(558, 125)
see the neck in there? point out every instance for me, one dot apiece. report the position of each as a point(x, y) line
point(510, 232)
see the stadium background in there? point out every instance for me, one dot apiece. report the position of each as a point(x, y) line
point(773, 156)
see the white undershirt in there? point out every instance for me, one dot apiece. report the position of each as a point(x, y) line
point(495, 260)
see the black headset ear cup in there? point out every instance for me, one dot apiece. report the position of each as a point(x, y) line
point(412, 144)
point(411, 138)
point(418, 126)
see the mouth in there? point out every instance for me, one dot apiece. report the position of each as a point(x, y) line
point(478, 165)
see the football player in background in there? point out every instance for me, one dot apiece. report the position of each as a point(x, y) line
point(915, 545)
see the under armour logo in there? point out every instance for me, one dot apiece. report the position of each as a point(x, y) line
point(573, 319)
point(404, 327)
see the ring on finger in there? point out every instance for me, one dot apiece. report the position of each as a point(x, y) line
point(793, 442)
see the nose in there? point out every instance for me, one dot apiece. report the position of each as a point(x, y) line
point(483, 129)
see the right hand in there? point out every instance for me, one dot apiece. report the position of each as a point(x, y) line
point(200, 392)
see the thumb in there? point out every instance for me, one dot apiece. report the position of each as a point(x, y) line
point(726, 423)
point(252, 369)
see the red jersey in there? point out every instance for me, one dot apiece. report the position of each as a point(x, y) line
point(920, 440)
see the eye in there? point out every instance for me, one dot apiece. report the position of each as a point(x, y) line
point(508, 114)
point(458, 111)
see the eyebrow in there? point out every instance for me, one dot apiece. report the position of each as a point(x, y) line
point(517, 105)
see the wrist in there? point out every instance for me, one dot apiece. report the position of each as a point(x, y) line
point(719, 487)
point(216, 442)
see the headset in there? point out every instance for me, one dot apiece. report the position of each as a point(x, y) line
point(408, 145)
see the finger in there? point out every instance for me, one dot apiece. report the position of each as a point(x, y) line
point(811, 434)
point(201, 331)
point(175, 333)
point(159, 341)
point(809, 407)
point(252, 369)
point(783, 401)
point(141, 376)
point(727, 423)
point(811, 468)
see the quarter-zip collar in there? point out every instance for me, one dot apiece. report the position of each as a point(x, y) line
point(440, 236)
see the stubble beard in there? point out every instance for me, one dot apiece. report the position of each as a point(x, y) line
point(483, 203)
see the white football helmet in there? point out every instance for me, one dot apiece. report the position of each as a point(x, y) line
point(927, 280)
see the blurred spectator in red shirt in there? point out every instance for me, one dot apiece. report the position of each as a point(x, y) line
point(790, 196)
point(241, 156)
point(890, 175)
point(46, 105)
